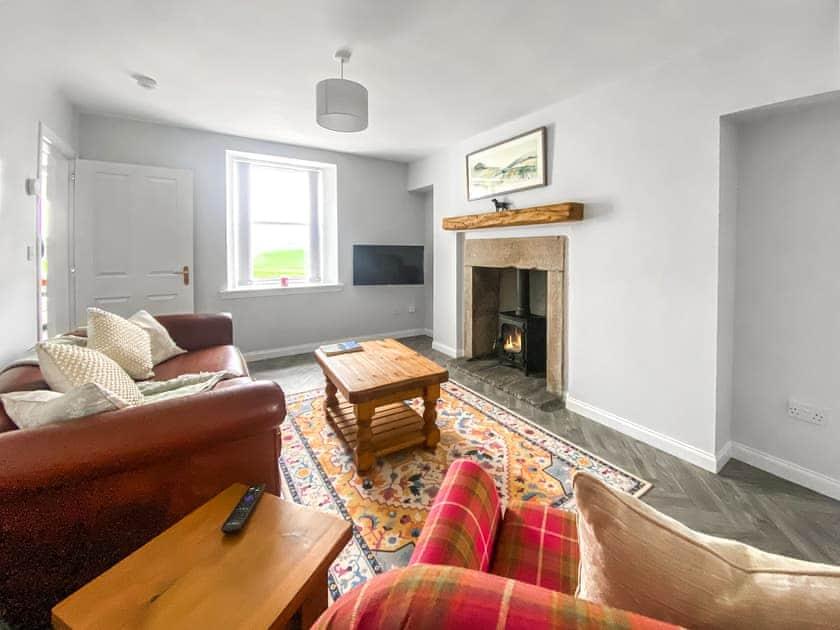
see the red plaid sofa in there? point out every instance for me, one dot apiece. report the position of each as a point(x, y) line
point(475, 568)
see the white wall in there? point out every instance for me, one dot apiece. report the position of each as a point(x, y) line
point(726, 284)
point(643, 155)
point(22, 107)
point(429, 262)
point(373, 207)
point(787, 308)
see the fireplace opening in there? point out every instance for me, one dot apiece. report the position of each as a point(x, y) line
point(521, 340)
point(514, 316)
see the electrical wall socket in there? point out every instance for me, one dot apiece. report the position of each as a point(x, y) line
point(412, 308)
point(799, 410)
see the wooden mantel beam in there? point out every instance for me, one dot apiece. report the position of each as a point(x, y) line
point(554, 213)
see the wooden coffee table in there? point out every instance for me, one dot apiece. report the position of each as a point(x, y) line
point(192, 576)
point(365, 394)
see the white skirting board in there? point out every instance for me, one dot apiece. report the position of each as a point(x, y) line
point(273, 353)
point(723, 456)
point(447, 350)
point(712, 462)
point(811, 479)
point(703, 459)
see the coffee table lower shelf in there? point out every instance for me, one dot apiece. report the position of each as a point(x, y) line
point(394, 426)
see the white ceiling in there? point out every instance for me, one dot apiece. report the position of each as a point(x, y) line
point(438, 71)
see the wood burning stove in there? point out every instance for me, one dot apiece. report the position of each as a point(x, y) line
point(521, 338)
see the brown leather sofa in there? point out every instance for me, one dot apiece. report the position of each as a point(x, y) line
point(76, 497)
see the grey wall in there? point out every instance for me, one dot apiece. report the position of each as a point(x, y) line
point(22, 107)
point(373, 207)
point(787, 284)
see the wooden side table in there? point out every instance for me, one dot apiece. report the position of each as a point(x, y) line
point(365, 393)
point(192, 576)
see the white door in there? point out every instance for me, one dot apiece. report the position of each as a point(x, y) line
point(133, 236)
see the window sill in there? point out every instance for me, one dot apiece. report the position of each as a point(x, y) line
point(273, 290)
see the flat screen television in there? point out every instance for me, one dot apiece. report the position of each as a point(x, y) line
point(387, 264)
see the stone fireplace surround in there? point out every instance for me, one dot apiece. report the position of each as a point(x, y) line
point(484, 260)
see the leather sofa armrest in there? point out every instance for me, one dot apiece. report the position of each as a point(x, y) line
point(135, 437)
point(462, 523)
point(193, 331)
point(444, 598)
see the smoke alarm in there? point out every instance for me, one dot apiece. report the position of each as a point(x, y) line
point(145, 82)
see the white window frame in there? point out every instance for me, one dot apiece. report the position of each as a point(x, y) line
point(322, 255)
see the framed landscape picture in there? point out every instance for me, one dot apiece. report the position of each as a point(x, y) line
point(508, 166)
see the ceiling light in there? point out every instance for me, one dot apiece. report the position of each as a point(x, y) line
point(147, 83)
point(342, 105)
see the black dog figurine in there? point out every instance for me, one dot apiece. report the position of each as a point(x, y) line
point(500, 205)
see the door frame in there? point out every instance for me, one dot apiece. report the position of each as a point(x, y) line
point(47, 135)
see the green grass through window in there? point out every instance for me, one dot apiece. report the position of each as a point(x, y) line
point(280, 262)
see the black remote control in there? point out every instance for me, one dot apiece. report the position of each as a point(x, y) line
point(243, 509)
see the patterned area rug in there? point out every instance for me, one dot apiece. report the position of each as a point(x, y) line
point(389, 506)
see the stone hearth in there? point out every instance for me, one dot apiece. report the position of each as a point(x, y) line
point(484, 262)
point(505, 379)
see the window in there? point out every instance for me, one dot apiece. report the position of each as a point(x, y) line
point(281, 222)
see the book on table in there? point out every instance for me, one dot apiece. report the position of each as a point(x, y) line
point(341, 348)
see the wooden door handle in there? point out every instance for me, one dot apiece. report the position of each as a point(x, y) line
point(185, 273)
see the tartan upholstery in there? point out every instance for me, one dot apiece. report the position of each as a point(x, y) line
point(539, 545)
point(442, 597)
point(461, 527)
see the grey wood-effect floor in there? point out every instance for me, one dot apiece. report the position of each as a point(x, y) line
point(740, 502)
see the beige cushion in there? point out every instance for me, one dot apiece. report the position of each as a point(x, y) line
point(32, 409)
point(124, 342)
point(65, 366)
point(163, 346)
point(635, 558)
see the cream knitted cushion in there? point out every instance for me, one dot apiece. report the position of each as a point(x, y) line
point(121, 340)
point(65, 367)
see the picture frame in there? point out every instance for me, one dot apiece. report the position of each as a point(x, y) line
point(515, 164)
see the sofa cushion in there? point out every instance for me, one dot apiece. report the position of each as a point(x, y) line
point(66, 366)
point(633, 557)
point(32, 409)
point(18, 379)
point(538, 544)
point(124, 342)
point(214, 359)
point(163, 347)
